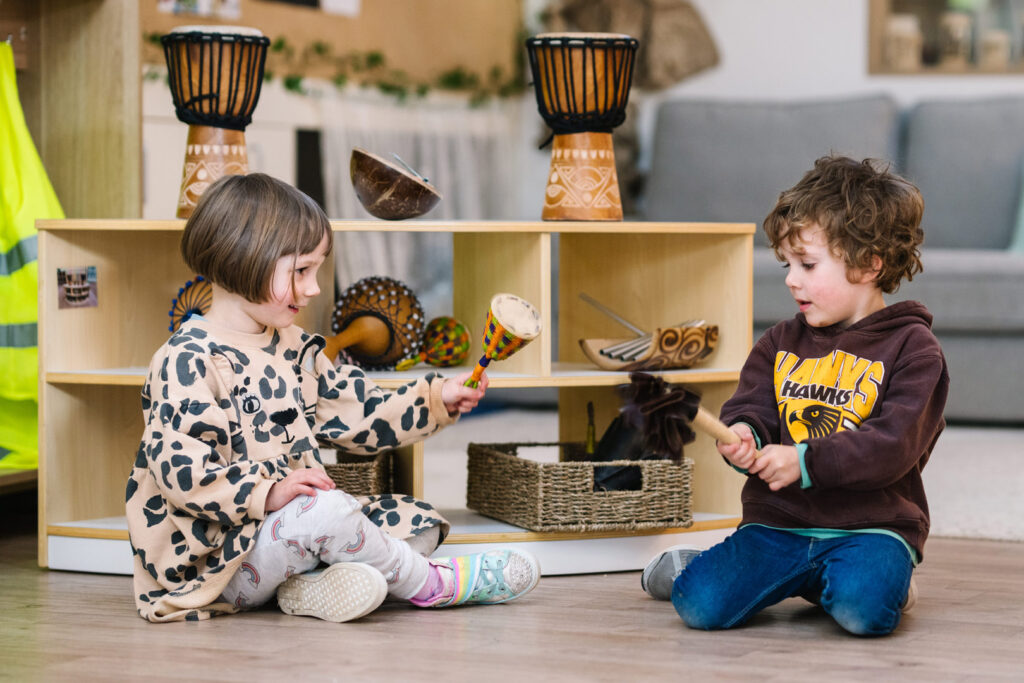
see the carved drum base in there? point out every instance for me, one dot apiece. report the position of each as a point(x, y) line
point(582, 183)
point(209, 154)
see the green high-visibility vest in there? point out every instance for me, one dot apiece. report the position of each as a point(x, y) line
point(25, 195)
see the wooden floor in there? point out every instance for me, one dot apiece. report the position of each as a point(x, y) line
point(968, 625)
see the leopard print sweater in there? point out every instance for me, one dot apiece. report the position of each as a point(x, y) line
point(226, 416)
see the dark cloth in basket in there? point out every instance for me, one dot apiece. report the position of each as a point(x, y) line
point(653, 425)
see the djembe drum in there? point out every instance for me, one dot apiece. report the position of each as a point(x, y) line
point(194, 298)
point(512, 323)
point(582, 83)
point(378, 321)
point(445, 343)
point(215, 74)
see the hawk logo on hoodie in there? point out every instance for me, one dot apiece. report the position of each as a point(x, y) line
point(820, 396)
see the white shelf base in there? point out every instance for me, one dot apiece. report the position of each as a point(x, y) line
point(570, 556)
point(96, 555)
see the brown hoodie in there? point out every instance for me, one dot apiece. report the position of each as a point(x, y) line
point(867, 400)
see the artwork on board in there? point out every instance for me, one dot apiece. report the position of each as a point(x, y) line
point(223, 9)
point(348, 8)
point(76, 287)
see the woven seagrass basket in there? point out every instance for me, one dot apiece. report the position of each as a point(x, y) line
point(361, 475)
point(560, 496)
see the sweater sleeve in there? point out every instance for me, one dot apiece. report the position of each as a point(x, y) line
point(188, 445)
point(753, 401)
point(359, 416)
point(891, 442)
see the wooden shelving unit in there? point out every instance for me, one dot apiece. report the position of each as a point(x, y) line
point(93, 361)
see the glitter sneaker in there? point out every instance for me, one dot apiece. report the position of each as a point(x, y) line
point(341, 592)
point(661, 572)
point(486, 578)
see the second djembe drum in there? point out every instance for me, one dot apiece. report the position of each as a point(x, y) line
point(215, 74)
point(582, 83)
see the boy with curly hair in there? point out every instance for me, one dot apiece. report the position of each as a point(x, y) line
point(837, 410)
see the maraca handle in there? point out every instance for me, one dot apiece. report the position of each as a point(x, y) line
point(478, 371)
point(409, 362)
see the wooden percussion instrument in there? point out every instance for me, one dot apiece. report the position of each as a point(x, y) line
point(194, 298)
point(582, 83)
point(445, 343)
point(512, 323)
point(679, 346)
point(378, 321)
point(215, 74)
point(389, 191)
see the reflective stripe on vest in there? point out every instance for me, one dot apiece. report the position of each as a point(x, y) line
point(19, 335)
point(24, 252)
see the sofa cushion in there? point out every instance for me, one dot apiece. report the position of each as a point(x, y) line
point(966, 290)
point(728, 161)
point(965, 156)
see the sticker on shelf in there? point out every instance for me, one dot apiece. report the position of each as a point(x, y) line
point(76, 287)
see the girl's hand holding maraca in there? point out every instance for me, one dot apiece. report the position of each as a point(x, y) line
point(459, 398)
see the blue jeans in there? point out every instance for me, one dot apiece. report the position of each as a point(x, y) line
point(861, 580)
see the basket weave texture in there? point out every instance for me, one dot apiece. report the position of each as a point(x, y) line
point(359, 475)
point(561, 497)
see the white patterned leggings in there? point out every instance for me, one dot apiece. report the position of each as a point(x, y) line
point(328, 527)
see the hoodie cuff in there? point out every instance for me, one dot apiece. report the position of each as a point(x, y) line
point(757, 442)
point(805, 478)
point(258, 506)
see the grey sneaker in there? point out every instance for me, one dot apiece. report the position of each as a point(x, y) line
point(342, 592)
point(911, 599)
point(661, 572)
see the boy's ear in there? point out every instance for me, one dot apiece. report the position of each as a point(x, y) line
point(871, 274)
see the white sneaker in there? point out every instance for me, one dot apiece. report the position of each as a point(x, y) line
point(661, 572)
point(342, 592)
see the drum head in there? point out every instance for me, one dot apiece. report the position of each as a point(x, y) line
point(516, 315)
point(223, 30)
point(582, 36)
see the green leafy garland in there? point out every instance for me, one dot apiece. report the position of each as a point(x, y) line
point(370, 69)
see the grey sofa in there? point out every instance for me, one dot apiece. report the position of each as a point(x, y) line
point(727, 161)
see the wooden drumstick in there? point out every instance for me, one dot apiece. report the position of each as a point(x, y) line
point(709, 424)
point(368, 333)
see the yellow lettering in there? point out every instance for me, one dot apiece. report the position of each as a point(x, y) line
point(828, 369)
point(867, 390)
point(852, 370)
point(784, 362)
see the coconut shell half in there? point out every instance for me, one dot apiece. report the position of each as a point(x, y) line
point(389, 191)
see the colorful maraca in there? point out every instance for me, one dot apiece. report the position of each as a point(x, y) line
point(512, 323)
point(445, 343)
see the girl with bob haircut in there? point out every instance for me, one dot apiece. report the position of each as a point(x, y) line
point(228, 503)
